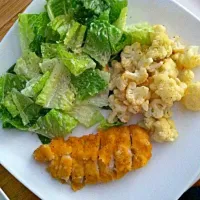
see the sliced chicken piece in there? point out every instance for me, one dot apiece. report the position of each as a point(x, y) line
point(106, 155)
point(77, 175)
point(122, 152)
point(44, 154)
point(141, 146)
point(91, 149)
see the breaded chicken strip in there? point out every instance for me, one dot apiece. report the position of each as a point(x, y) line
point(99, 158)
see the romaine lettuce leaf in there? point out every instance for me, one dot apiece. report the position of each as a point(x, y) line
point(32, 29)
point(10, 122)
point(85, 11)
point(76, 63)
point(121, 21)
point(86, 115)
point(104, 125)
point(97, 43)
point(75, 36)
point(103, 40)
point(116, 7)
point(57, 92)
point(100, 100)
point(35, 85)
point(49, 50)
point(28, 65)
point(56, 8)
point(140, 33)
point(8, 82)
point(88, 84)
point(54, 124)
point(48, 65)
point(10, 105)
point(61, 24)
point(28, 110)
point(43, 139)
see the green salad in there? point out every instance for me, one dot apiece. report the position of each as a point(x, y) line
point(61, 80)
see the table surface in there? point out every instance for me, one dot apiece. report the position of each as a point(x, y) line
point(9, 10)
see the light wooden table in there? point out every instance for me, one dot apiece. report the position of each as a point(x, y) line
point(9, 10)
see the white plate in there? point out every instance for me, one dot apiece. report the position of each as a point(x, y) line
point(172, 168)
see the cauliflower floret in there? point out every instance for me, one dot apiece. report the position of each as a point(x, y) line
point(137, 96)
point(158, 109)
point(144, 62)
point(177, 46)
point(189, 59)
point(169, 68)
point(186, 76)
point(191, 100)
point(119, 109)
point(161, 44)
point(118, 82)
point(161, 130)
point(154, 66)
point(139, 76)
point(131, 56)
point(169, 89)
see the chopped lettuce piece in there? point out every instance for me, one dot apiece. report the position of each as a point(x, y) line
point(54, 124)
point(32, 29)
point(10, 122)
point(104, 75)
point(11, 69)
point(28, 65)
point(43, 139)
point(57, 92)
point(35, 85)
point(103, 40)
point(97, 43)
point(56, 8)
point(88, 84)
point(77, 41)
point(140, 33)
point(116, 7)
point(49, 50)
point(75, 36)
point(10, 105)
point(121, 21)
point(61, 24)
point(72, 31)
point(86, 115)
point(76, 63)
point(85, 11)
point(48, 65)
point(8, 82)
point(100, 100)
point(27, 109)
point(104, 125)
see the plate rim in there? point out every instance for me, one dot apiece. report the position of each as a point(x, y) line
point(35, 191)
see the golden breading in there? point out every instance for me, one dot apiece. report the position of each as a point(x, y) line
point(77, 175)
point(141, 147)
point(44, 154)
point(91, 149)
point(100, 158)
point(122, 152)
point(106, 155)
